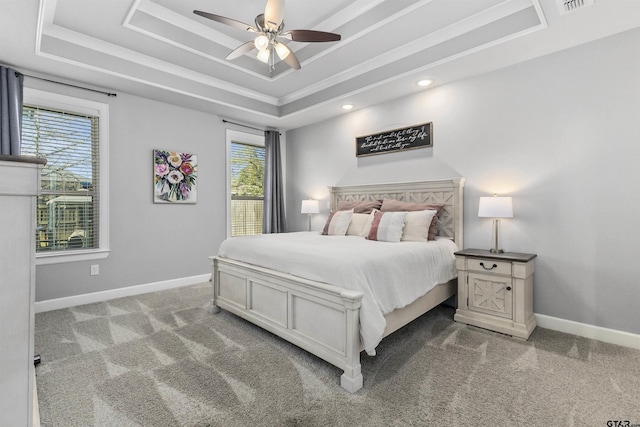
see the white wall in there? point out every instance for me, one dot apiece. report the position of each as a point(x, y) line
point(559, 134)
point(149, 242)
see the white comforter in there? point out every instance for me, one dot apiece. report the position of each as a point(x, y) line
point(390, 275)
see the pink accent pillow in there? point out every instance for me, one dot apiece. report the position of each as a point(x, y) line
point(359, 206)
point(392, 205)
point(387, 226)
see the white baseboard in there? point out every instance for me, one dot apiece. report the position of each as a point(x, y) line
point(58, 303)
point(611, 336)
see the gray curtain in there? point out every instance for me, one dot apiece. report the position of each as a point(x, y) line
point(273, 218)
point(10, 111)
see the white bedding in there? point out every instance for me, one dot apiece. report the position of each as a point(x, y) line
point(390, 275)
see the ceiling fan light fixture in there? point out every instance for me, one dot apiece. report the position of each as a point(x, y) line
point(264, 55)
point(282, 50)
point(270, 27)
point(261, 42)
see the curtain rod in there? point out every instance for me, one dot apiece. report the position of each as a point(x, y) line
point(246, 126)
point(18, 73)
point(67, 84)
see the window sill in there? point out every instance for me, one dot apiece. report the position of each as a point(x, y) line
point(59, 258)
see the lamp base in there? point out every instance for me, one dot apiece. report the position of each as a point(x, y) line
point(496, 238)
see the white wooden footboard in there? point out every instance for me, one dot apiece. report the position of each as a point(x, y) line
point(324, 319)
point(320, 318)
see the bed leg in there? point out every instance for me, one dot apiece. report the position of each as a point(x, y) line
point(213, 309)
point(352, 379)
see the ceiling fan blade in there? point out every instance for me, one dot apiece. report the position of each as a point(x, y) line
point(241, 50)
point(260, 22)
point(311, 36)
point(274, 13)
point(226, 21)
point(292, 60)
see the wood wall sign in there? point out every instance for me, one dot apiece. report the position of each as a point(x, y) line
point(409, 138)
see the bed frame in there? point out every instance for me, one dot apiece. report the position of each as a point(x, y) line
point(321, 318)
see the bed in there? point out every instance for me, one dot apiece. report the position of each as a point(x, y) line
point(287, 299)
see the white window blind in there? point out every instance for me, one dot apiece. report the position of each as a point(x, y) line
point(68, 205)
point(247, 188)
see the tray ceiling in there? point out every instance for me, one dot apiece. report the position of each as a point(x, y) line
point(160, 49)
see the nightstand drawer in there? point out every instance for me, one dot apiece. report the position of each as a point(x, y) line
point(487, 265)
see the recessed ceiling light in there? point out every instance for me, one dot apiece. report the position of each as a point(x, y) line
point(424, 83)
point(347, 106)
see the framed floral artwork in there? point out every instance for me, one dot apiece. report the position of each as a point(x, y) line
point(175, 177)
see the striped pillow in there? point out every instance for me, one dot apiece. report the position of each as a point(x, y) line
point(337, 223)
point(387, 226)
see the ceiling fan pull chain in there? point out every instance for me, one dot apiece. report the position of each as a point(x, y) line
point(272, 54)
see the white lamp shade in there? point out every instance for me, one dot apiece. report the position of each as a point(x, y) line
point(495, 207)
point(261, 42)
point(263, 55)
point(282, 50)
point(310, 207)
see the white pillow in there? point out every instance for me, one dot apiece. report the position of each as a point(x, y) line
point(367, 227)
point(337, 223)
point(358, 223)
point(416, 226)
point(387, 226)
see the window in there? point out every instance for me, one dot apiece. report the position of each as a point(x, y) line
point(71, 215)
point(246, 177)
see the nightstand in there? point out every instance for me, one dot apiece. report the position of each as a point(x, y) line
point(495, 291)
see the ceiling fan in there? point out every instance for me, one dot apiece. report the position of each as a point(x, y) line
point(270, 29)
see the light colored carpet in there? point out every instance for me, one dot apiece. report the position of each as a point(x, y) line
point(161, 359)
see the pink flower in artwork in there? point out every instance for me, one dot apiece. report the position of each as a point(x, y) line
point(162, 169)
point(186, 168)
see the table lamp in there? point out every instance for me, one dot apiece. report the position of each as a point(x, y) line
point(495, 207)
point(310, 207)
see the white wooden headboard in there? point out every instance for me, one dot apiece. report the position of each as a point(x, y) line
point(447, 191)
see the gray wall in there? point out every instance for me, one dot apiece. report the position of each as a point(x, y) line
point(559, 134)
point(149, 242)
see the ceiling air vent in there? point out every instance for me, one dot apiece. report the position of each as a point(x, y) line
point(567, 6)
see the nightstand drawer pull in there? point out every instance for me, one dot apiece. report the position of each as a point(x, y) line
point(508, 288)
point(489, 266)
point(492, 267)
